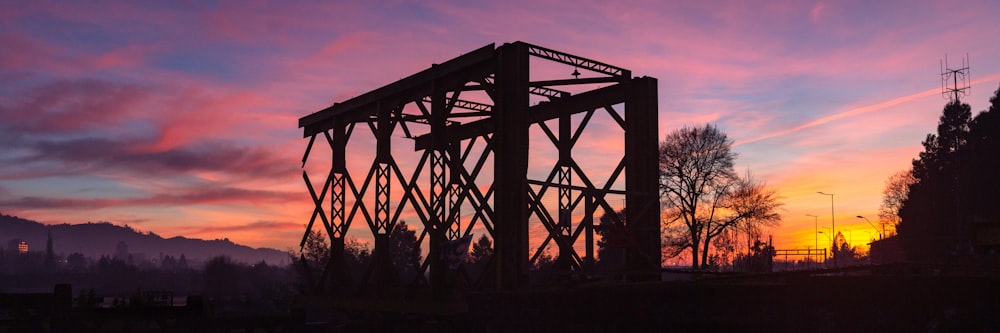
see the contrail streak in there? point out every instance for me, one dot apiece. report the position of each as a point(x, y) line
point(857, 111)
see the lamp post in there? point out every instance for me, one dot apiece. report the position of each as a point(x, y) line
point(816, 234)
point(880, 236)
point(833, 221)
point(831, 246)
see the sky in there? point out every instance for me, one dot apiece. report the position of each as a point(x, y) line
point(181, 117)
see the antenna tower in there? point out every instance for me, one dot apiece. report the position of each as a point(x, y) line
point(957, 81)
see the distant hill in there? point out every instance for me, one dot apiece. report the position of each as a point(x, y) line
point(101, 239)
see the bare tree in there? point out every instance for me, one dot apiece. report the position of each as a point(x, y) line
point(696, 171)
point(755, 206)
point(674, 234)
point(897, 189)
point(701, 191)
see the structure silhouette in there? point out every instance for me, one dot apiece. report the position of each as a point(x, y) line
point(464, 117)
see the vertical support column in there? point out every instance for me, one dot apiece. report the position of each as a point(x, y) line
point(455, 166)
point(338, 144)
point(510, 155)
point(384, 272)
point(641, 175)
point(564, 174)
point(339, 274)
point(383, 160)
point(438, 162)
point(588, 221)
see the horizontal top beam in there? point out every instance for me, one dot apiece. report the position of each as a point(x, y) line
point(582, 102)
point(449, 76)
point(581, 62)
point(401, 89)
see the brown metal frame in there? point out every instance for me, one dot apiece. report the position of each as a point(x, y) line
point(463, 137)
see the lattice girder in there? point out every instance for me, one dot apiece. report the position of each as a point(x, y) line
point(469, 117)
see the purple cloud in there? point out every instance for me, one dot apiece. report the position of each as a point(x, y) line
point(205, 196)
point(70, 106)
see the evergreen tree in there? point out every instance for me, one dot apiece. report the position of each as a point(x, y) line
point(482, 251)
point(50, 257)
point(611, 245)
point(479, 258)
point(932, 225)
point(982, 184)
point(405, 251)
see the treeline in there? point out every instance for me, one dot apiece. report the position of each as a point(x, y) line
point(948, 204)
point(116, 281)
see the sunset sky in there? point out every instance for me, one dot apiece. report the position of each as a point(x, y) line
point(181, 118)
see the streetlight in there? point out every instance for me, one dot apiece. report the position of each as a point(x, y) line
point(816, 235)
point(870, 223)
point(833, 221)
point(831, 246)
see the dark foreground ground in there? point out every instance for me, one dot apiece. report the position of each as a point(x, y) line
point(806, 304)
point(818, 302)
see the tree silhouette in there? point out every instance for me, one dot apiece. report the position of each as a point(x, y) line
point(480, 256)
point(357, 256)
point(951, 206)
point(482, 251)
point(843, 254)
point(313, 257)
point(614, 239)
point(759, 258)
point(696, 170)
point(982, 159)
point(932, 223)
point(700, 189)
point(168, 263)
point(897, 189)
point(405, 254)
point(755, 207)
point(76, 262)
point(222, 276)
point(50, 256)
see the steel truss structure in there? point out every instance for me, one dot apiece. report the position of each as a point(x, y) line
point(472, 172)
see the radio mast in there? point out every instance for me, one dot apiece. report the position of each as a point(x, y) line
point(955, 82)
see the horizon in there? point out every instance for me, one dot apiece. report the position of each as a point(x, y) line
point(181, 119)
point(96, 240)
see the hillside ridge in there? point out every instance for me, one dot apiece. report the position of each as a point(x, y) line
point(96, 239)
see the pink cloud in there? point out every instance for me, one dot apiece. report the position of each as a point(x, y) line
point(203, 196)
point(197, 114)
point(259, 226)
point(72, 105)
point(125, 58)
point(41, 57)
point(816, 13)
point(254, 22)
point(20, 53)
